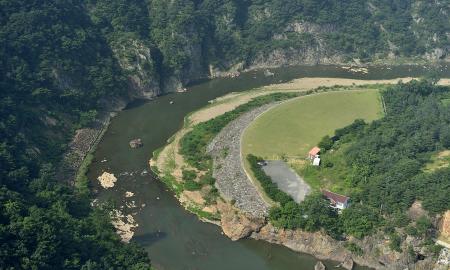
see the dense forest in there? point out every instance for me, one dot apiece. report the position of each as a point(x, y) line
point(62, 61)
point(384, 165)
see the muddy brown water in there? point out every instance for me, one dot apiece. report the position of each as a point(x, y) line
point(174, 238)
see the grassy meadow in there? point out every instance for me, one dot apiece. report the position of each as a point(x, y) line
point(291, 129)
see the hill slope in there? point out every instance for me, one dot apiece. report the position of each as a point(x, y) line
point(62, 61)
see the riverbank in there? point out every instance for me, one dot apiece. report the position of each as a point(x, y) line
point(169, 164)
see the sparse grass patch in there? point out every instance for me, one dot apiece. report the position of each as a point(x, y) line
point(438, 161)
point(354, 248)
point(202, 214)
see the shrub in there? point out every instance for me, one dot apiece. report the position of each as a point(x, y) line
point(354, 248)
point(395, 242)
point(192, 185)
point(326, 143)
point(188, 175)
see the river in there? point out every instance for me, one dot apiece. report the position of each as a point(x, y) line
point(174, 238)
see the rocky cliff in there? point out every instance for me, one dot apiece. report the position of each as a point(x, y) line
point(163, 45)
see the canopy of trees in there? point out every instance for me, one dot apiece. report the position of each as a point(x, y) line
point(383, 164)
point(54, 64)
point(59, 61)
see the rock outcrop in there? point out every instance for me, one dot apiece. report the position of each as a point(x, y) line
point(348, 263)
point(237, 225)
point(107, 180)
point(445, 227)
point(135, 58)
point(136, 143)
point(319, 266)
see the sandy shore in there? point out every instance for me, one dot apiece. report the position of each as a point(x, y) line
point(229, 102)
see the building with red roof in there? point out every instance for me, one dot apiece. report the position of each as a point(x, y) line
point(314, 152)
point(337, 201)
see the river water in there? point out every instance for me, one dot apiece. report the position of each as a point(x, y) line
point(174, 238)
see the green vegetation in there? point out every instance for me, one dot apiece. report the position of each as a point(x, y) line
point(193, 148)
point(383, 160)
point(294, 127)
point(270, 188)
point(55, 67)
point(234, 31)
point(193, 144)
point(81, 181)
point(354, 248)
point(59, 62)
point(380, 163)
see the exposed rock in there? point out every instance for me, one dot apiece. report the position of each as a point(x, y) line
point(416, 211)
point(107, 180)
point(445, 227)
point(237, 225)
point(443, 261)
point(124, 225)
point(348, 263)
point(319, 266)
point(86, 139)
point(318, 244)
point(136, 143)
point(135, 57)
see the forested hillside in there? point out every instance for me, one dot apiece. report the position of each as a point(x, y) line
point(63, 61)
point(55, 67)
point(382, 166)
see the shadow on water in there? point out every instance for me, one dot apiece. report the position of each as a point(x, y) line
point(149, 239)
point(174, 238)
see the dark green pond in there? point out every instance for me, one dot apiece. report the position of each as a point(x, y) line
point(174, 238)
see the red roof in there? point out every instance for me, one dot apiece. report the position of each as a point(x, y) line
point(314, 151)
point(334, 197)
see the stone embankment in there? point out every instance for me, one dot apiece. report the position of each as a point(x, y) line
point(231, 179)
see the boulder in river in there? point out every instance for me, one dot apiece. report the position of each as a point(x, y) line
point(319, 266)
point(348, 263)
point(136, 143)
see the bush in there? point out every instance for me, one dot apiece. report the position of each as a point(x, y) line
point(270, 188)
point(359, 220)
point(395, 242)
point(193, 144)
point(188, 175)
point(325, 144)
point(354, 248)
point(192, 185)
point(207, 179)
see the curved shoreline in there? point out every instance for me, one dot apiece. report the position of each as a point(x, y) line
point(237, 186)
point(236, 224)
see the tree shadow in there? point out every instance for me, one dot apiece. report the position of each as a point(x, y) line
point(149, 238)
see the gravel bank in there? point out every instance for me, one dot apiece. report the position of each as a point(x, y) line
point(231, 179)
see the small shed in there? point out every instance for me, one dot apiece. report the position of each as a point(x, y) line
point(313, 153)
point(316, 161)
point(337, 201)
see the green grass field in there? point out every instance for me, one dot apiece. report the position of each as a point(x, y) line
point(294, 127)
